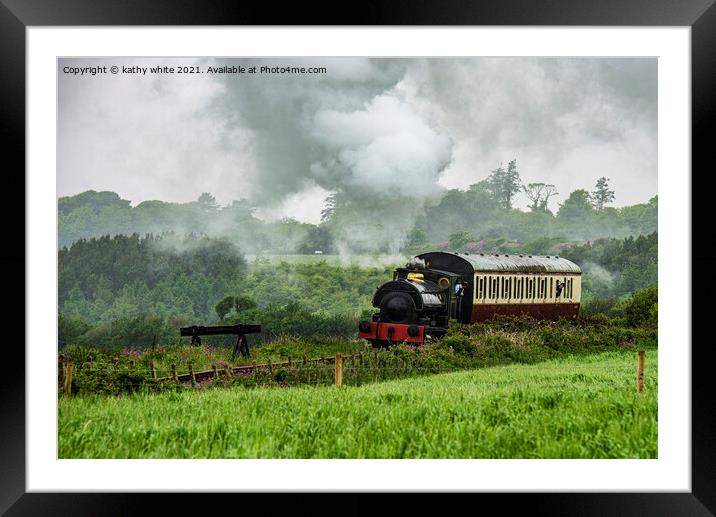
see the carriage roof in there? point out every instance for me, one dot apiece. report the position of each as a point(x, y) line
point(500, 262)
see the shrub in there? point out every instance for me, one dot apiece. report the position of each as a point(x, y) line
point(641, 307)
point(459, 343)
point(280, 375)
point(108, 381)
point(604, 306)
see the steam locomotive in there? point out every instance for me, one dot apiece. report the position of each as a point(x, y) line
point(436, 287)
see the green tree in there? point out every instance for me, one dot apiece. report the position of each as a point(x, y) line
point(602, 195)
point(504, 184)
point(459, 239)
point(417, 237)
point(244, 303)
point(642, 306)
point(576, 206)
point(224, 306)
point(539, 194)
point(207, 202)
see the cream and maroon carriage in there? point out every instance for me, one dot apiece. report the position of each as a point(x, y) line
point(436, 287)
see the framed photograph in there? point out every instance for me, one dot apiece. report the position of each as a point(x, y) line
point(419, 253)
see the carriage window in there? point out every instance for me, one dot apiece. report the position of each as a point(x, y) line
point(551, 287)
point(569, 288)
point(495, 288)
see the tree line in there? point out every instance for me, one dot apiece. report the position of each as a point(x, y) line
point(124, 289)
point(484, 210)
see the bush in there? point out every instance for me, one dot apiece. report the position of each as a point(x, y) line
point(641, 308)
point(280, 375)
point(557, 338)
point(108, 381)
point(605, 306)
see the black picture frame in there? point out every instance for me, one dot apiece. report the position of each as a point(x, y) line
point(700, 15)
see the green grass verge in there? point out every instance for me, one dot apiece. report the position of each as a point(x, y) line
point(572, 407)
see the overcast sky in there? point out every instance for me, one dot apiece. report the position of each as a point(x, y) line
point(369, 126)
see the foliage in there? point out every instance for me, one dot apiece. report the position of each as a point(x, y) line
point(615, 267)
point(484, 209)
point(602, 194)
point(504, 184)
point(539, 194)
point(642, 307)
point(503, 341)
point(459, 239)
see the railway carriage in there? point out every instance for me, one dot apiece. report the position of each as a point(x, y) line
point(436, 287)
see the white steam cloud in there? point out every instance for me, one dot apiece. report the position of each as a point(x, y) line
point(387, 135)
point(385, 148)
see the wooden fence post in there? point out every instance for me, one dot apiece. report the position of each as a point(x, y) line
point(289, 361)
point(89, 362)
point(154, 343)
point(131, 364)
point(640, 371)
point(360, 358)
point(154, 370)
point(191, 374)
point(68, 378)
point(216, 371)
point(227, 370)
point(174, 372)
point(305, 359)
point(339, 369)
point(253, 363)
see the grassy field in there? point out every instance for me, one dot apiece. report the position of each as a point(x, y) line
point(573, 407)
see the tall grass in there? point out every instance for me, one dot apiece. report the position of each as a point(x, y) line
point(572, 407)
